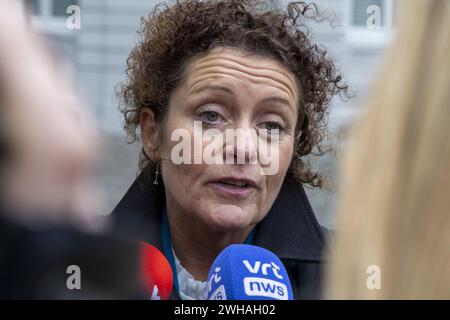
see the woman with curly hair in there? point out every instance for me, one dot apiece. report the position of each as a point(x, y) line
point(221, 65)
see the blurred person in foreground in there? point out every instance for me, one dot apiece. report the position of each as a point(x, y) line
point(47, 135)
point(46, 165)
point(395, 206)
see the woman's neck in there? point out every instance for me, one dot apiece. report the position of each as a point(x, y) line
point(197, 246)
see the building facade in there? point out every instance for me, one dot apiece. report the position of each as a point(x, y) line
point(94, 43)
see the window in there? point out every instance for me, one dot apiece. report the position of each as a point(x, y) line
point(360, 12)
point(369, 22)
point(59, 7)
point(49, 16)
point(50, 8)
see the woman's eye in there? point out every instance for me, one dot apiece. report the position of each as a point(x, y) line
point(210, 116)
point(273, 126)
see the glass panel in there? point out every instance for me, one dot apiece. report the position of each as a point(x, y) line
point(60, 6)
point(360, 15)
point(34, 6)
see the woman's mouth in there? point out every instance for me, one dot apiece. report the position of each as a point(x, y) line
point(234, 188)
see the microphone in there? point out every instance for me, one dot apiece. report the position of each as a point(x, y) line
point(246, 272)
point(155, 272)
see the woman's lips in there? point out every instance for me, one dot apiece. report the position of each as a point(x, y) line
point(232, 191)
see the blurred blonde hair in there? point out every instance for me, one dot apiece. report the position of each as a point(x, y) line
point(395, 202)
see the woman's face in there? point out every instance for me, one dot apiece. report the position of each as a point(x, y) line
point(227, 90)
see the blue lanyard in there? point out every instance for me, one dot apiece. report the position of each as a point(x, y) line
point(167, 247)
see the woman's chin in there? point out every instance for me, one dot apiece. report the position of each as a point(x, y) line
point(229, 217)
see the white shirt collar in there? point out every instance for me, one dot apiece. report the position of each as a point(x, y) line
point(190, 289)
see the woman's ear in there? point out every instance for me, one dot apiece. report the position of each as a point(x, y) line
point(149, 133)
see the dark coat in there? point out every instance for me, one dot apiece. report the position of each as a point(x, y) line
point(290, 230)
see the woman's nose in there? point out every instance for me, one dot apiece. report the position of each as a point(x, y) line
point(241, 145)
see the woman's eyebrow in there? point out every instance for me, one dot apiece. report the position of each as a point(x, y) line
point(271, 99)
point(214, 87)
point(276, 99)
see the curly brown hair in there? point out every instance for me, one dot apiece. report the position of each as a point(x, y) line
point(173, 35)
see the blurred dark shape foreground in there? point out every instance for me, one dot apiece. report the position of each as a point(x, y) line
point(36, 263)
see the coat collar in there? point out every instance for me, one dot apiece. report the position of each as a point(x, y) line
point(290, 229)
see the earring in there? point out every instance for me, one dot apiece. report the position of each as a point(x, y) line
point(155, 182)
point(147, 152)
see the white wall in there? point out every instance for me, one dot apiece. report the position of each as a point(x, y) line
point(107, 35)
